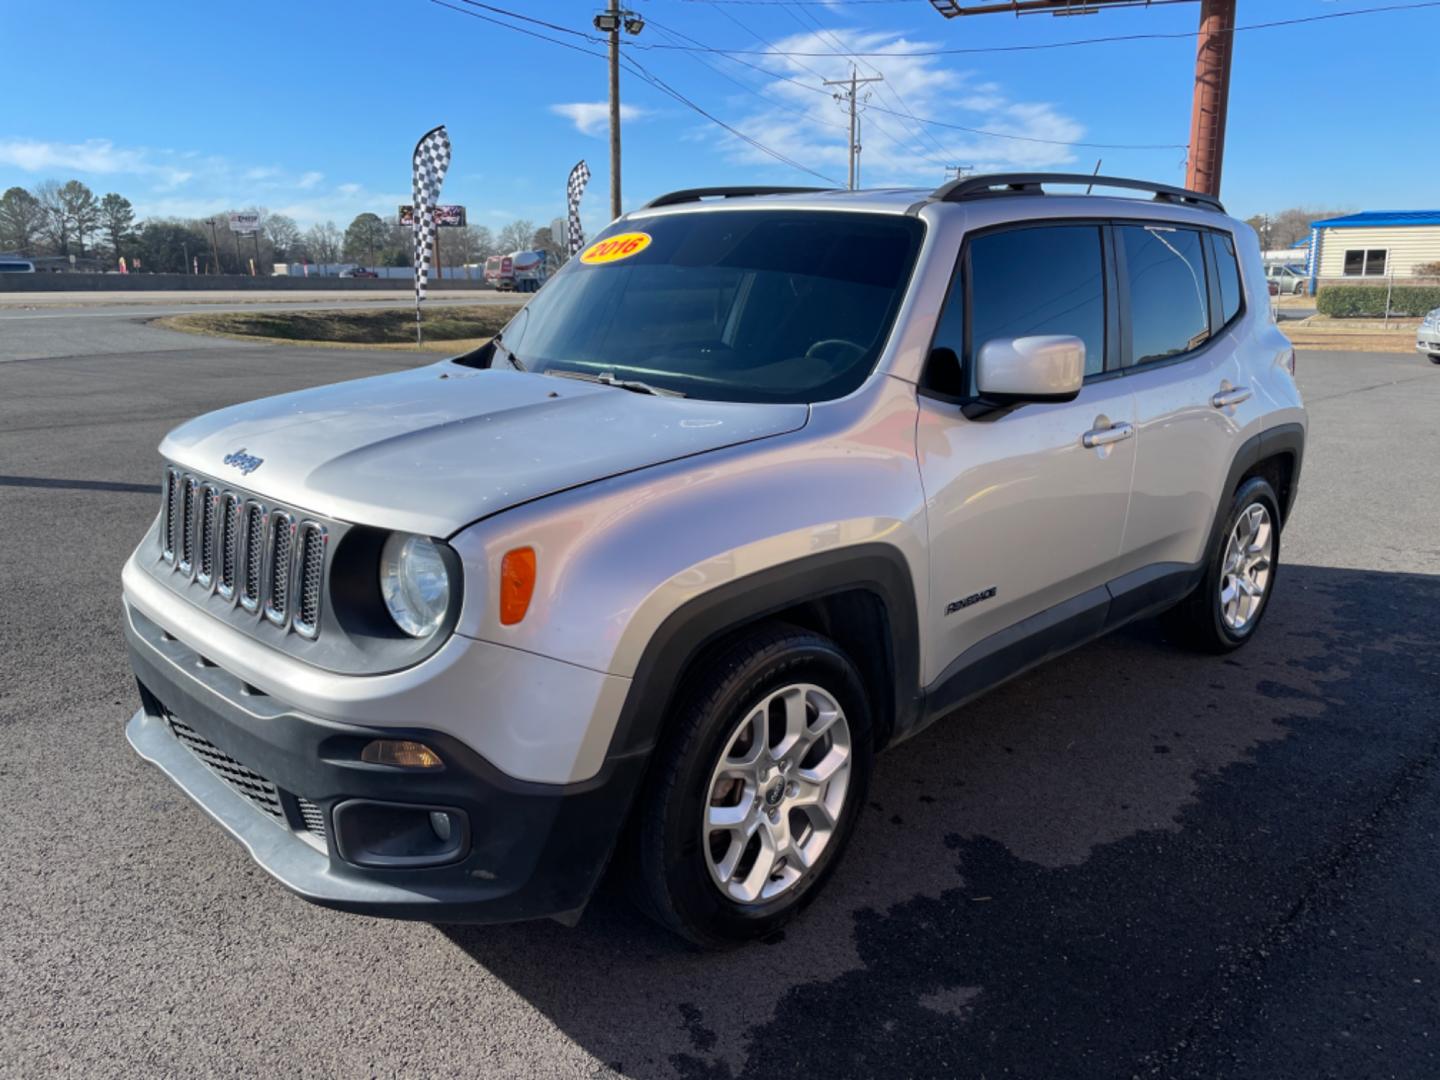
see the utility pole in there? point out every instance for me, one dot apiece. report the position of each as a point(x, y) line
point(1209, 104)
point(214, 244)
point(854, 82)
point(610, 22)
point(1212, 93)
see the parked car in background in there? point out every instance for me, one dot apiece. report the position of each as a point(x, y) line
point(753, 489)
point(10, 265)
point(1427, 338)
point(359, 271)
point(1288, 280)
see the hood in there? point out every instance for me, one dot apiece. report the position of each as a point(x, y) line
point(433, 449)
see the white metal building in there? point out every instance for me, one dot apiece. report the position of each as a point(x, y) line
point(1374, 244)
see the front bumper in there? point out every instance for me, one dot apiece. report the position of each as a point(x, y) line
point(1428, 342)
point(529, 850)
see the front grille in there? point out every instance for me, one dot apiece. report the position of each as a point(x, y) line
point(254, 555)
point(187, 525)
point(312, 579)
point(242, 780)
point(205, 572)
point(314, 817)
point(282, 550)
point(268, 559)
point(229, 531)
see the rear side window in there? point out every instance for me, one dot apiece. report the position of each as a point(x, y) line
point(1169, 307)
point(1048, 280)
point(1227, 269)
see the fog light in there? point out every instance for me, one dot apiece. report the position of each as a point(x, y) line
point(402, 753)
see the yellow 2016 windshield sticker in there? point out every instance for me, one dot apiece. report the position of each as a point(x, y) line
point(617, 247)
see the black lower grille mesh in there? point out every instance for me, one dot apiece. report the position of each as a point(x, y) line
point(245, 781)
point(314, 817)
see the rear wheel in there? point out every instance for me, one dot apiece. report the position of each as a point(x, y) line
point(1227, 606)
point(756, 790)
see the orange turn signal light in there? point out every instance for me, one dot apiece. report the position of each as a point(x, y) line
point(402, 753)
point(517, 584)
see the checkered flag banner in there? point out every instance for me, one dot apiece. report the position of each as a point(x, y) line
point(432, 158)
point(574, 188)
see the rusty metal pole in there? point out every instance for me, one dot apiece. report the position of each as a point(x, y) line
point(1214, 45)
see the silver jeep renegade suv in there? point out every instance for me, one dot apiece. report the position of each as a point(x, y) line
point(761, 483)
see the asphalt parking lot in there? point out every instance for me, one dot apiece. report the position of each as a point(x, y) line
point(1134, 862)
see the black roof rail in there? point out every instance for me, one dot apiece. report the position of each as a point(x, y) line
point(696, 194)
point(984, 185)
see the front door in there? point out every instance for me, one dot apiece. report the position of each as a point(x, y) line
point(1026, 508)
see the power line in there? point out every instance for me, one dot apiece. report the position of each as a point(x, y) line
point(924, 119)
point(636, 68)
point(664, 87)
point(1112, 39)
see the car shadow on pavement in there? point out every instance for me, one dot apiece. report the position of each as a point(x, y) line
point(1080, 874)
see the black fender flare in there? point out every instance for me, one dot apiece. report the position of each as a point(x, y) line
point(1283, 439)
point(694, 626)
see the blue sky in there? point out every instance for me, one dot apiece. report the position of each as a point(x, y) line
point(311, 107)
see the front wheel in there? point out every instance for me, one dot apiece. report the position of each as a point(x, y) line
point(1228, 604)
point(755, 791)
point(1435, 358)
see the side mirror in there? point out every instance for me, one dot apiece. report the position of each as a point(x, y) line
point(1048, 367)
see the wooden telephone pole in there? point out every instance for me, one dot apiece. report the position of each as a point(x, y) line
point(854, 82)
point(1210, 102)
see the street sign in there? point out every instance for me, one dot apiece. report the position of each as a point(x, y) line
point(246, 221)
point(446, 216)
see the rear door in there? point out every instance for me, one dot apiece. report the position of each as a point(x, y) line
point(1181, 309)
point(1025, 520)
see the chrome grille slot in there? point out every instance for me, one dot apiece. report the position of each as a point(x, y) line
point(280, 556)
point(228, 543)
point(172, 514)
point(205, 572)
point(254, 535)
point(311, 580)
point(187, 525)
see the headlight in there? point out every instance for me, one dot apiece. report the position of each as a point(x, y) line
point(414, 583)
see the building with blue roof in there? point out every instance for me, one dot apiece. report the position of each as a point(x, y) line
point(1373, 245)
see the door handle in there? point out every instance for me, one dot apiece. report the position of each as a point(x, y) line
point(1234, 396)
point(1107, 435)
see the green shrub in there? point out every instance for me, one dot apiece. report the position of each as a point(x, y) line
point(1368, 301)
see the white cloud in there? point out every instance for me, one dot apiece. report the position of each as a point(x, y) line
point(592, 117)
point(811, 127)
point(309, 180)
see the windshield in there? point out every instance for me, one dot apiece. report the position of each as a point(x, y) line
point(728, 305)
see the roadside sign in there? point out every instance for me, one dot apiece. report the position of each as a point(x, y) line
point(446, 216)
point(246, 221)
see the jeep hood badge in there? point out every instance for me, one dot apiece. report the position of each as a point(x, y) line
point(246, 463)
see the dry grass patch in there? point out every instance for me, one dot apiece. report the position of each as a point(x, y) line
point(446, 328)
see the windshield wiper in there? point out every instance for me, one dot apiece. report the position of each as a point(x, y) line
point(514, 360)
point(607, 378)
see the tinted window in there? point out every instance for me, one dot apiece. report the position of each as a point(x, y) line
point(1039, 281)
point(1366, 263)
point(1227, 270)
point(730, 305)
point(1169, 311)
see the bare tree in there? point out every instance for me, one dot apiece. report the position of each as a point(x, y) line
point(283, 234)
point(323, 241)
point(515, 236)
point(56, 223)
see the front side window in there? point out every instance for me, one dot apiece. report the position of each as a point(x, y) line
point(1169, 299)
point(727, 305)
point(1030, 281)
point(1365, 262)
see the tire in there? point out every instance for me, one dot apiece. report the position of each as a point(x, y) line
point(1435, 358)
point(1206, 620)
point(688, 873)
